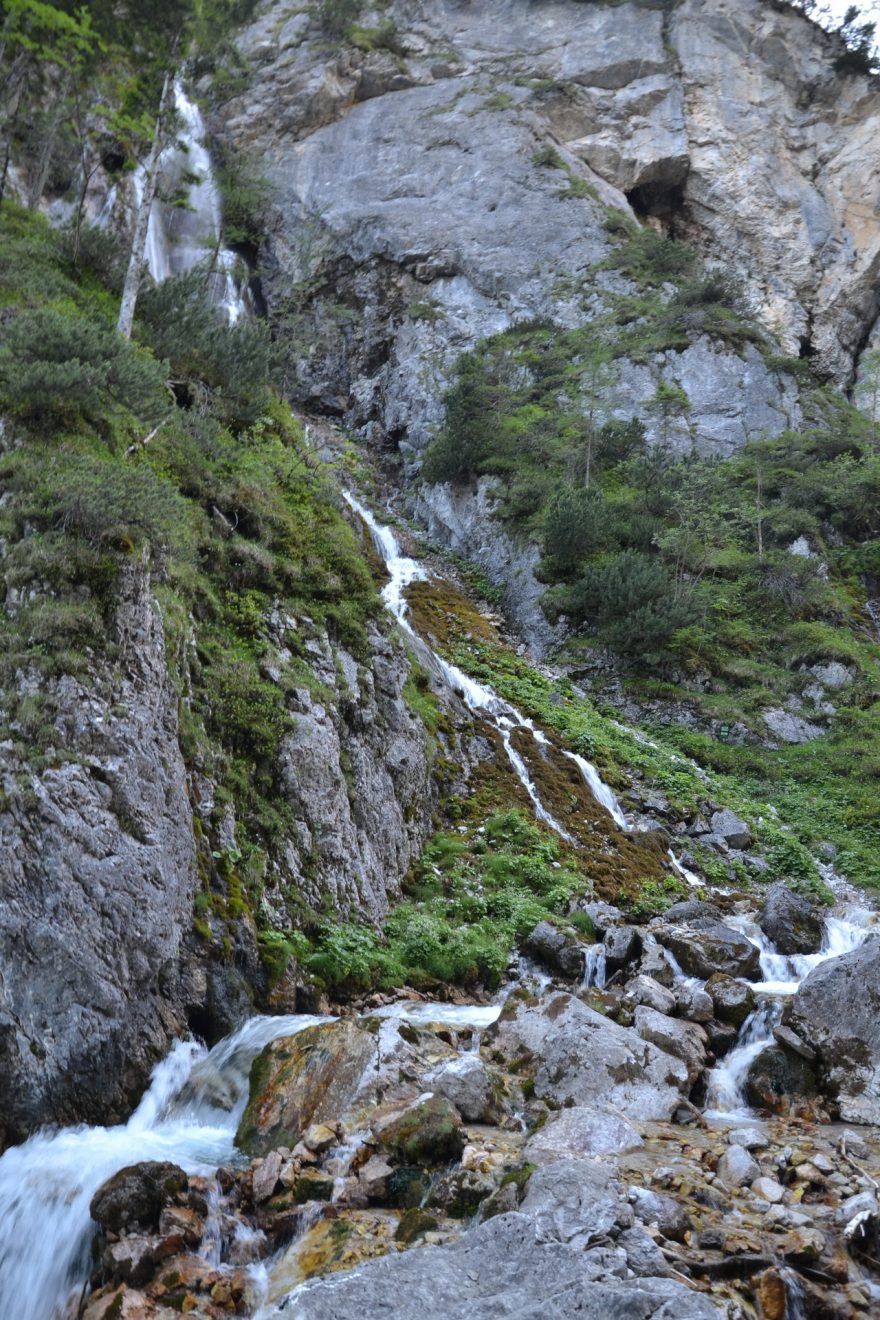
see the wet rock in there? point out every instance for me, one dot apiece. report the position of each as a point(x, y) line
point(722, 1037)
point(733, 1000)
point(460, 1193)
point(133, 1259)
point(504, 1199)
point(776, 1078)
point(320, 1137)
point(301, 1080)
point(427, 1132)
point(413, 1223)
point(791, 921)
point(602, 915)
point(736, 1167)
point(686, 1040)
point(623, 944)
point(669, 1215)
point(312, 1185)
point(580, 1057)
point(734, 831)
point(790, 1040)
point(560, 952)
point(266, 1175)
point(645, 990)
point(707, 946)
point(643, 1256)
point(655, 963)
point(579, 1132)
point(373, 1177)
point(863, 1203)
point(693, 1003)
point(836, 1011)
point(135, 1197)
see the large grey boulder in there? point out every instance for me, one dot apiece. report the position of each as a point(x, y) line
point(579, 1132)
point(505, 1268)
point(465, 1082)
point(556, 950)
point(791, 921)
point(686, 1040)
point(580, 1057)
point(734, 831)
point(836, 1011)
point(706, 946)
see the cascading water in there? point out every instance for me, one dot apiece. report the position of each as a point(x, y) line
point(180, 238)
point(781, 976)
point(189, 1115)
point(479, 698)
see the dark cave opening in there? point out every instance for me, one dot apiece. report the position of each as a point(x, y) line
point(660, 200)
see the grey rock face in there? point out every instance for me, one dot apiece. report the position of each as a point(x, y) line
point(585, 1059)
point(791, 728)
point(465, 1082)
point(501, 1268)
point(623, 944)
point(357, 772)
point(790, 921)
point(645, 990)
point(707, 946)
point(836, 1010)
point(97, 884)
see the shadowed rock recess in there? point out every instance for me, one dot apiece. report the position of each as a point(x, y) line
point(439, 717)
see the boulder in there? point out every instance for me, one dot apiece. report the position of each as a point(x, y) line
point(776, 1077)
point(579, 1132)
point(734, 831)
point(560, 952)
point(733, 1000)
point(304, 1079)
point(135, 1197)
point(580, 1057)
point(460, 1193)
point(373, 1177)
point(836, 1011)
point(690, 909)
point(602, 915)
point(465, 1082)
point(655, 963)
point(791, 921)
point(736, 1167)
point(693, 1003)
point(575, 1201)
point(645, 990)
point(523, 1258)
point(686, 1040)
point(669, 1215)
point(623, 944)
point(427, 1132)
point(706, 946)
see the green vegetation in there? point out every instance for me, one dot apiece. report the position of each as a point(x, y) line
point(472, 896)
point(168, 454)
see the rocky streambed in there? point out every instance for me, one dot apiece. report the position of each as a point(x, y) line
point(694, 1138)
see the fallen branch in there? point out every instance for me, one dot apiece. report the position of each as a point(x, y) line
point(142, 444)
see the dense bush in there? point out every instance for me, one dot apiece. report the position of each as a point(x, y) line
point(56, 364)
point(632, 601)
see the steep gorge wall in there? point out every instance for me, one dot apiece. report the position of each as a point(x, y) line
point(413, 216)
point(105, 849)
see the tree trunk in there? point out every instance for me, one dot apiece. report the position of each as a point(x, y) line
point(142, 219)
point(50, 137)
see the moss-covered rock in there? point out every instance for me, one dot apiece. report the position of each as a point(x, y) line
point(412, 1224)
point(428, 1132)
point(312, 1077)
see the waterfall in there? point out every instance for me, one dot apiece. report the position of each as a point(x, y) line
point(189, 1115)
point(478, 697)
point(181, 237)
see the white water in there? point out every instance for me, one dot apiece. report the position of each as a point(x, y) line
point(780, 977)
point(595, 967)
point(478, 697)
point(189, 1115)
point(180, 238)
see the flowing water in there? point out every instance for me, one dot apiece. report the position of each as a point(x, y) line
point(180, 238)
point(781, 975)
point(189, 1115)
